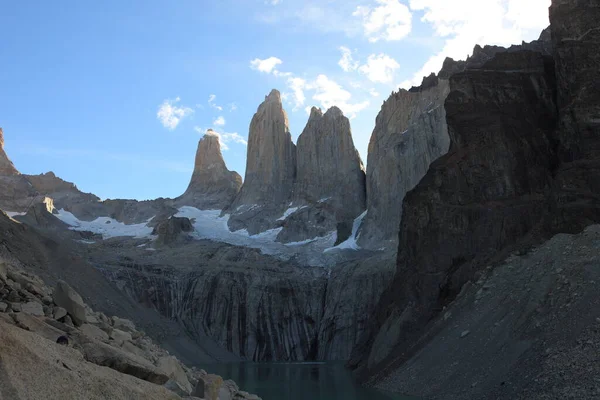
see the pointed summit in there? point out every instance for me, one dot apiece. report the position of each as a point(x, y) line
point(212, 185)
point(6, 166)
point(329, 166)
point(270, 166)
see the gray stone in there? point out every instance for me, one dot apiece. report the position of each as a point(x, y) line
point(33, 308)
point(59, 313)
point(3, 307)
point(172, 367)
point(93, 332)
point(123, 324)
point(65, 296)
point(208, 387)
point(119, 336)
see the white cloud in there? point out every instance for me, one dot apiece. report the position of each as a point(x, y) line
point(220, 121)
point(373, 92)
point(329, 93)
point(268, 65)
point(347, 62)
point(273, 2)
point(466, 23)
point(391, 20)
point(170, 115)
point(224, 137)
point(232, 107)
point(380, 68)
point(211, 102)
point(297, 85)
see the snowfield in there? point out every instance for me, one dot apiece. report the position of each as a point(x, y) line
point(208, 224)
point(107, 227)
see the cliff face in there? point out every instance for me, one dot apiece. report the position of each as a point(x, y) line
point(521, 166)
point(212, 185)
point(410, 132)
point(270, 169)
point(6, 166)
point(330, 182)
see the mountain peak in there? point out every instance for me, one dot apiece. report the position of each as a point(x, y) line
point(6, 166)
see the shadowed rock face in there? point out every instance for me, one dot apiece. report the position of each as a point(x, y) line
point(523, 164)
point(212, 185)
point(410, 132)
point(270, 169)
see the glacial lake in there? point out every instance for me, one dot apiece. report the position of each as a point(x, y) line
point(298, 381)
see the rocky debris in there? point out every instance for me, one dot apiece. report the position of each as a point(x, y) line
point(208, 387)
point(329, 169)
point(212, 185)
point(109, 342)
point(532, 324)
point(37, 368)
point(270, 169)
point(170, 231)
point(7, 168)
point(410, 133)
point(64, 296)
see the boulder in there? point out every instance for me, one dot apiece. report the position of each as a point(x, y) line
point(59, 313)
point(120, 336)
point(170, 230)
point(33, 308)
point(172, 367)
point(93, 332)
point(208, 387)
point(121, 323)
point(119, 360)
point(65, 296)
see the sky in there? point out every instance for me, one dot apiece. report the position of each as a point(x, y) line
point(114, 95)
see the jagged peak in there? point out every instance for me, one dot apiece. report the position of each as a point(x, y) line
point(273, 96)
point(334, 111)
point(315, 113)
point(210, 134)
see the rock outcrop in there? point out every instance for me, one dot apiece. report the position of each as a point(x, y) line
point(410, 133)
point(521, 167)
point(6, 166)
point(212, 185)
point(330, 177)
point(270, 169)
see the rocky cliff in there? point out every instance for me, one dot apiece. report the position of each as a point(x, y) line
point(410, 132)
point(212, 185)
point(514, 175)
point(6, 166)
point(257, 307)
point(330, 178)
point(270, 169)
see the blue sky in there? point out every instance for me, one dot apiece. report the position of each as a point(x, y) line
point(114, 95)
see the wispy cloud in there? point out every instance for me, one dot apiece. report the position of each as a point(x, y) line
point(219, 121)
point(466, 23)
point(268, 65)
point(232, 107)
point(170, 115)
point(390, 20)
point(347, 63)
point(224, 137)
point(380, 68)
point(211, 102)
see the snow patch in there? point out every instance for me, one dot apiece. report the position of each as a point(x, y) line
point(13, 214)
point(288, 212)
point(107, 227)
point(85, 241)
point(350, 243)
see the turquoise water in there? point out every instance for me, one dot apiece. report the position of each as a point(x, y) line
point(298, 381)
